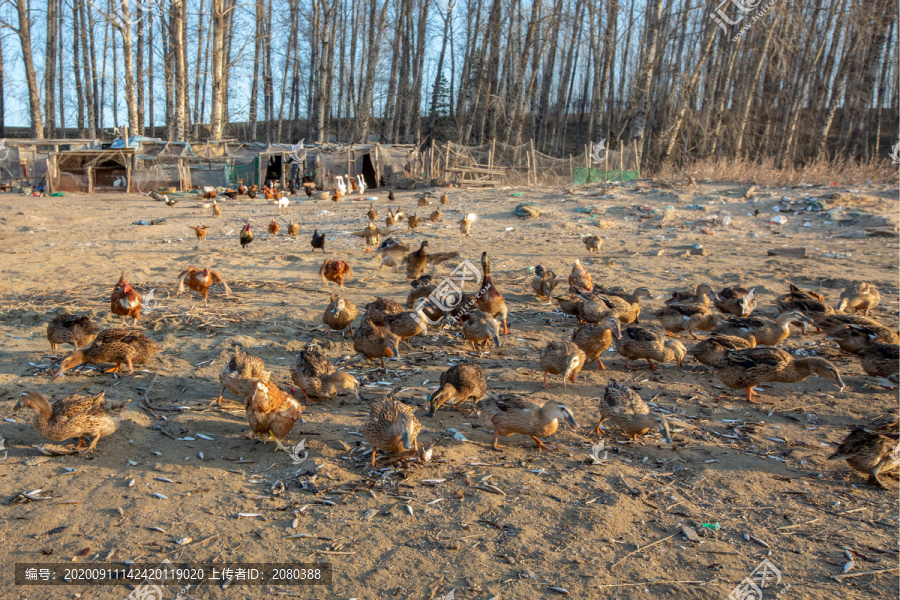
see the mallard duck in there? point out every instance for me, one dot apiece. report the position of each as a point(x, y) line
point(424, 290)
point(372, 214)
point(765, 331)
point(572, 305)
point(713, 349)
point(509, 414)
point(754, 366)
point(372, 236)
point(413, 221)
point(832, 323)
point(444, 199)
point(638, 342)
point(579, 279)
point(860, 297)
point(241, 366)
point(339, 314)
point(856, 338)
point(465, 224)
point(392, 254)
point(379, 307)
point(269, 410)
point(317, 377)
point(544, 282)
point(676, 318)
point(407, 324)
point(77, 330)
point(374, 341)
point(700, 295)
point(736, 301)
point(624, 407)
point(599, 306)
point(595, 338)
point(435, 215)
point(489, 299)
point(871, 448)
point(479, 327)
point(881, 360)
point(391, 427)
point(117, 346)
point(562, 358)
point(592, 243)
point(458, 384)
point(73, 416)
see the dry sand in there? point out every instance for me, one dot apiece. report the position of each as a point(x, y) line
point(562, 523)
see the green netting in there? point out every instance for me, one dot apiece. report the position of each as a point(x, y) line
point(584, 175)
point(249, 173)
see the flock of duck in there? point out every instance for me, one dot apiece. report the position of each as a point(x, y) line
point(741, 350)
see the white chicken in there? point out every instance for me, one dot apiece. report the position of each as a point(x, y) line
point(283, 202)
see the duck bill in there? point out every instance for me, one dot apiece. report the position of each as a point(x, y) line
point(840, 383)
point(432, 406)
point(571, 421)
point(406, 440)
point(496, 339)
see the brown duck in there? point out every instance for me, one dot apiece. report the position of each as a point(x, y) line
point(77, 330)
point(73, 417)
point(457, 384)
point(624, 407)
point(318, 378)
point(391, 427)
point(241, 366)
point(638, 342)
point(489, 299)
point(562, 358)
point(745, 369)
point(375, 342)
point(871, 448)
point(595, 338)
point(117, 346)
point(713, 349)
point(509, 414)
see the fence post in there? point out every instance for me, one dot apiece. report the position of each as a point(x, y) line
point(447, 161)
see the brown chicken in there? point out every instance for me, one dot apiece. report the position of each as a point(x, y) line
point(253, 191)
point(372, 214)
point(125, 302)
point(268, 192)
point(293, 229)
point(200, 280)
point(335, 271)
point(246, 235)
point(580, 279)
point(209, 194)
point(336, 196)
point(413, 221)
point(200, 230)
point(274, 227)
point(269, 410)
point(217, 210)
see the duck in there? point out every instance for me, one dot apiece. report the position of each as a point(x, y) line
point(713, 349)
point(480, 327)
point(378, 308)
point(407, 324)
point(444, 199)
point(562, 358)
point(416, 261)
point(391, 196)
point(372, 236)
point(595, 338)
point(421, 290)
point(812, 308)
point(435, 215)
point(390, 220)
point(592, 243)
point(413, 221)
point(117, 346)
point(465, 224)
point(544, 282)
point(318, 378)
point(77, 330)
point(795, 293)
point(830, 324)
point(638, 342)
point(240, 366)
point(599, 306)
point(580, 279)
point(736, 301)
point(375, 342)
point(216, 209)
point(459, 383)
point(489, 299)
point(293, 229)
point(881, 360)
point(753, 366)
point(391, 427)
point(856, 338)
point(73, 417)
point(860, 297)
point(339, 314)
point(572, 305)
point(766, 332)
point(871, 448)
point(700, 295)
point(676, 318)
point(624, 407)
point(423, 200)
point(509, 414)
point(392, 253)
point(372, 214)
point(340, 184)
point(318, 241)
point(361, 185)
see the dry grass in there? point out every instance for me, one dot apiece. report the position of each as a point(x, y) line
point(839, 172)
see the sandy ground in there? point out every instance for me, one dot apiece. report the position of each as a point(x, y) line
point(562, 522)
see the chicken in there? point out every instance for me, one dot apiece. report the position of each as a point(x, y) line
point(293, 229)
point(335, 271)
point(309, 188)
point(391, 195)
point(423, 200)
point(372, 235)
point(200, 280)
point(253, 192)
point(413, 221)
point(436, 215)
point(444, 199)
point(284, 202)
point(209, 193)
point(318, 240)
point(242, 189)
point(465, 224)
point(125, 301)
point(217, 210)
point(592, 243)
point(274, 227)
point(246, 235)
point(200, 230)
point(392, 254)
point(269, 410)
point(580, 279)
point(268, 192)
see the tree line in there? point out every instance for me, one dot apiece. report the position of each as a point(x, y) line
point(684, 80)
